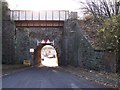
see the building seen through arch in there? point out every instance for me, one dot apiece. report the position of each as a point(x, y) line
point(49, 56)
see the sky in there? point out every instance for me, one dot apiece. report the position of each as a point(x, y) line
point(71, 5)
point(43, 4)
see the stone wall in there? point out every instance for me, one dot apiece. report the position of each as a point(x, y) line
point(27, 38)
point(110, 61)
point(8, 44)
point(78, 51)
point(72, 46)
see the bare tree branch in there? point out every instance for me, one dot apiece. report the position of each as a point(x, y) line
point(101, 8)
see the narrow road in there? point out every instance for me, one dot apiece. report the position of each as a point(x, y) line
point(44, 77)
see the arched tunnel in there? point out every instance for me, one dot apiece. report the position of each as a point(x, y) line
point(49, 57)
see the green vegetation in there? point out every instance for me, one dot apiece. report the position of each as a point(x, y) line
point(105, 16)
point(4, 10)
point(109, 33)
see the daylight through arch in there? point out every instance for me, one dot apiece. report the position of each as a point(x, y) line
point(49, 56)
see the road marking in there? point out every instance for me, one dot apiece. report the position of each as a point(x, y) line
point(5, 74)
point(54, 71)
point(74, 86)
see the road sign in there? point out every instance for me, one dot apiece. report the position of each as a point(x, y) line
point(48, 41)
point(43, 41)
point(31, 49)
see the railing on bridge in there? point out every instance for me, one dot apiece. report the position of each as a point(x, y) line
point(27, 18)
point(57, 15)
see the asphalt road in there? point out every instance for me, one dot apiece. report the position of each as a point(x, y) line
point(44, 77)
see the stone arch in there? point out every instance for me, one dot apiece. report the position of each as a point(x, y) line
point(37, 54)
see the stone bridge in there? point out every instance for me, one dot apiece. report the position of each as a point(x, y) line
point(33, 27)
point(63, 31)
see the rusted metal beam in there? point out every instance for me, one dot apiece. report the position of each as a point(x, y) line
point(40, 23)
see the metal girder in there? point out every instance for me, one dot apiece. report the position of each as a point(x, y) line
point(39, 23)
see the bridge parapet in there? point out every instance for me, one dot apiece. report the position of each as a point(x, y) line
point(57, 15)
point(27, 18)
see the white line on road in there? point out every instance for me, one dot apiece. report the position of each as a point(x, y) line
point(74, 86)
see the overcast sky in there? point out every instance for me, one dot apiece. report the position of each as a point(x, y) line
point(43, 4)
point(71, 5)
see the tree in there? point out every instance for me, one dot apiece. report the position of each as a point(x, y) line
point(109, 33)
point(4, 10)
point(118, 59)
point(101, 8)
point(107, 13)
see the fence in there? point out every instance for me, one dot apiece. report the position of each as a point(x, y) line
point(60, 15)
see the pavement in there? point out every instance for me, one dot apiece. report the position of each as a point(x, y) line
point(46, 77)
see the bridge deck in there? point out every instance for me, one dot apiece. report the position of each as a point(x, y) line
point(27, 18)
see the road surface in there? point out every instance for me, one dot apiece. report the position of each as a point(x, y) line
point(44, 77)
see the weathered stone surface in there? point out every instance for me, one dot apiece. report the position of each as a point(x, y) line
point(27, 38)
point(8, 49)
point(77, 50)
point(71, 45)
